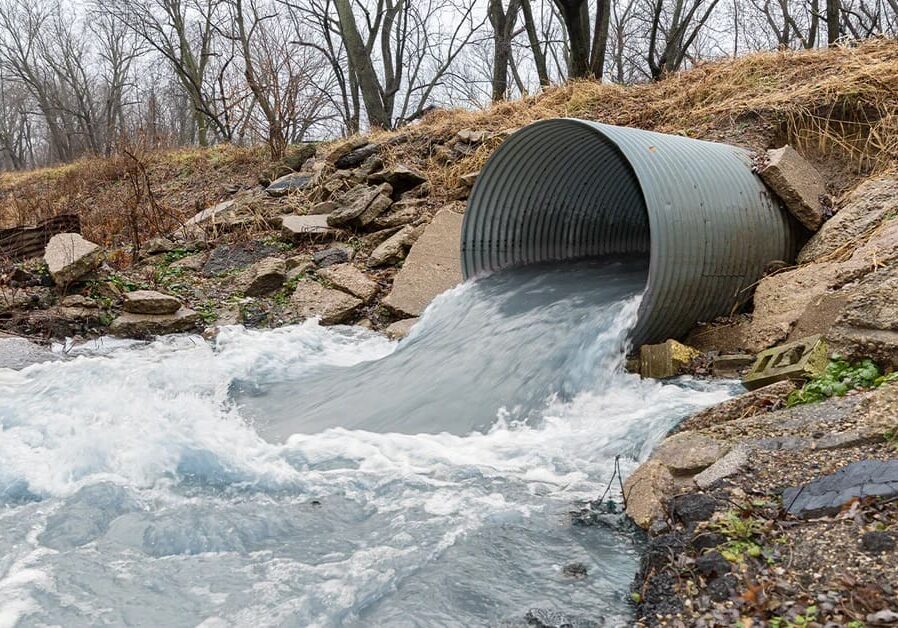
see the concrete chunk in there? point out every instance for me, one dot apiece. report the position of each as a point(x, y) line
point(69, 257)
point(351, 280)
point(131, 325)
point(150, 302)
point(431, 268)
point(330, 306)
point(666, 359)
point(798, 360)
point(797, 183)
point(306, 228)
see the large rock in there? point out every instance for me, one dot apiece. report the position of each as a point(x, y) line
point(150, 302)
point(131, 325)
point(69, 257)
point(432, 266)
point(798, 184)
point(266, 276)
point(783, 299)
point(688, 453)
point(229, 257)
point(357, 156)
point(296, 182)
point(646, 492)
point(361, 206)
point(401, 177)
point(331, 307)
point(401, 329)
point(339, 254)
point(351, 280)
point(827, 495)
point(217, 213)
point(863, 210)
point(307, 228)
point(400, 214)
point(868, 324)
point(394, 248)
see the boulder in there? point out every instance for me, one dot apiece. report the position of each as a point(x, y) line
point(307, 228)
point(288, 184)
point(266, 276)
point(69, 257)
point(400, 177)
point(342, 149)
point(688, 453)
point(432, 266)
point(868, 324)
point(351, 280)
point(150, 302)
point(401, 329)
point(394, 248)
point(667, 359)
point(331, 307)
point(797, 183)
point(230, 257)
point(298, 154)
point(130, 325)
point(861, 212)
point(645, 492)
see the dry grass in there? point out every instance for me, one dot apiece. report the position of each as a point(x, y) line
point(840, 106)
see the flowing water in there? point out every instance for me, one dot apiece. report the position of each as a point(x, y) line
point(327, 476)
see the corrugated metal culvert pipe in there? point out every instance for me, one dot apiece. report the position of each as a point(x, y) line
point(566, 189)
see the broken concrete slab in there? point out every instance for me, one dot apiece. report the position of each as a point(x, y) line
point(394, 248)
point(867, 326)
point(797, 183)
point(796, 361)
point(331, 307)
point(69, 257)
point(758, 401)
point(307, 228)
point(215, 213)
point(731, 365)
point(356, 156)
point(401, 177)
point(827, 495)
point(731, 464)
point(351, 280)
point(646, 491)
point(150, 302)
point(339, 254)
point(665, 360)
point(432, 266)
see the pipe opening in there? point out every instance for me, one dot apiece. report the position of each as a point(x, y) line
point(568, 189)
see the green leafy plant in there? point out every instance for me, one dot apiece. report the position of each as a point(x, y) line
point(742, 534)
point(839, 378)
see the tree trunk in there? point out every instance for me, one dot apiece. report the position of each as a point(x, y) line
point(833, 15)
point(362, 66)
point(539, 56)
point(575, 14)
point(600, 39)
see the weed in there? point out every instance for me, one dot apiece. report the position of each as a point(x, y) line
point(839, 378)
point(206, 310)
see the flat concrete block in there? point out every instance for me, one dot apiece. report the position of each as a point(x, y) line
point(432, 266)
point(797, 183)
point(799, 360)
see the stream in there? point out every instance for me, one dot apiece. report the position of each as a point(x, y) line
point(326, 476)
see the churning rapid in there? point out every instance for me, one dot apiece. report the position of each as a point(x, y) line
point(327, 476)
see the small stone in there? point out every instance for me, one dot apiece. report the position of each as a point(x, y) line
point(876, 542)
point(468, 180)
point(470, 136)
point(688, 453)
point(150, 302)
point(296, 261)
point(69, 257)
point(733, 462)
point(157, 246)
point(707, 540)
point(575, 570)
point(324, 207)
point(216, 213)
point(339, 254)
point(401, 329)
point(351, 280)
point(330, 306)
point(722, 588)
point(693, 507)
point(711, 564)
point(883, 617)
point(266, 276)
point(191, 262)
point(78, 301)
